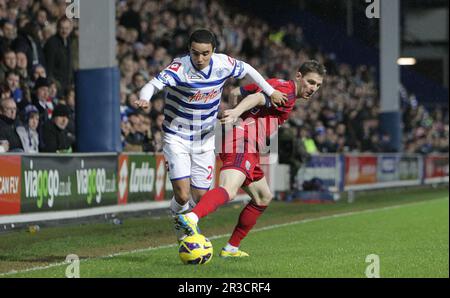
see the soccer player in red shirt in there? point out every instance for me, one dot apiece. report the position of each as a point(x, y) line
point(241, 152)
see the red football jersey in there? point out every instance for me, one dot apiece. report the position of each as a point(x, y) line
point(260, 123)
point(282, 113)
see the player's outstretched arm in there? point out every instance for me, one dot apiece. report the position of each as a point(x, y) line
point(277, 98)
point(162, 80)
point(145, 95)
point(248, 103)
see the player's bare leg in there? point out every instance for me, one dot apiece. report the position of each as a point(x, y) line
point(231, 180)
point(261, 196)
point(260, 192)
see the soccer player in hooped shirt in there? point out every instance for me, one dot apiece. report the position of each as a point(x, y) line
point(194, 85)
point(241, 168)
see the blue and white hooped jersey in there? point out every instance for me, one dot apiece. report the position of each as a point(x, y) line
point(193, 97)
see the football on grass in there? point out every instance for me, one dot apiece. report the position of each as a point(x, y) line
point(196, 249)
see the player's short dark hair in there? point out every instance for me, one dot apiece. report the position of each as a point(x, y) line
point(312, 66)
point(203, 36)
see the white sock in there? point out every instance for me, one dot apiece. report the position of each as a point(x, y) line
point(192, 216)
point(230, 248)
point(177, 208)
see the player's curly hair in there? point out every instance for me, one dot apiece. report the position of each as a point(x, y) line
point(312, 66)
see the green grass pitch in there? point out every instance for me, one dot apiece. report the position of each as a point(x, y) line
point(408, 230)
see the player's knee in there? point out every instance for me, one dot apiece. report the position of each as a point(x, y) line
point(265, 199)
point(232, 192)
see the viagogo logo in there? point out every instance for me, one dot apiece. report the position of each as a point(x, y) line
point(41, 184)
point(93, 182)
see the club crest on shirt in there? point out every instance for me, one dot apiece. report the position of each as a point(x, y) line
point(219, 72)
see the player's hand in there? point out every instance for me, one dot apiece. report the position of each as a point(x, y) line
point(230, 116)
point(278, 99)
point(142, 103)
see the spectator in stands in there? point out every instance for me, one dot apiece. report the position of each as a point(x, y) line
point(125, 129)
point(157, 141)
point(41, 18)
point(148, 145)
point(132, 138)
point(157, 107)
point(294, 151)
point(8, 63)
point(131, 106)
point(158, 123)
point(148, 42)
point(29, 42)
point(8, 32)
point(131, 17)
point(28, 132)
point(69, 100)
point(308, 142)
point(42, 100)
point(55, 137)
point(8, 111)
point(138, 82)
point(53, 91)
point(58, 55)
point(38, 72)
point(12, 80)
point(22, 67)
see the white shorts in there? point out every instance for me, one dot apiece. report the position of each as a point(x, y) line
point(181, 164)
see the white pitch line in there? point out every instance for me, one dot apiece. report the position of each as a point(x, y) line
point(346, 214)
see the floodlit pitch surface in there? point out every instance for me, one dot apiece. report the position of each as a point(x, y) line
point(407, 230)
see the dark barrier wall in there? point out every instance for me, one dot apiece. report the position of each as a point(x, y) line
point(42, 183)
point(98, 113)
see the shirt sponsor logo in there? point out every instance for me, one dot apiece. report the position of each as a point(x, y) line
point(205, 97)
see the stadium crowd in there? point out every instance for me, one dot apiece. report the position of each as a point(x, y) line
point(38, 56)
point(38, 48)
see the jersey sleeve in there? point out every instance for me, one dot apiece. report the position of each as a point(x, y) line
point(249, 89)
point(164, 79)
point(236, 67)
point(169, 77)
point(239, 71)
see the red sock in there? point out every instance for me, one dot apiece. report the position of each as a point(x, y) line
point(247, 219)
point(210, 201)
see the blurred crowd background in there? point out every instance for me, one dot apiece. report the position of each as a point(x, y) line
point(38, 50)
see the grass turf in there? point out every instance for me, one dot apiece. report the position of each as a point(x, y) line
point(411, 241)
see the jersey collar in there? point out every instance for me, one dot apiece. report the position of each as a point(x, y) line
point(206, 76)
